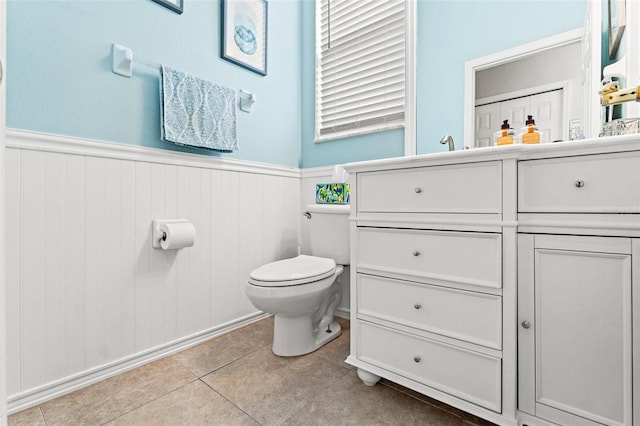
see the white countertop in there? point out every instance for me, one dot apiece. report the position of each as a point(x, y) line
point(518, 152)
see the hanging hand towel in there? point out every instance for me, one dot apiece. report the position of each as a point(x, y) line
point(196, 112)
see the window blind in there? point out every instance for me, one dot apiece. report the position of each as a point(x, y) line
point(360, 66)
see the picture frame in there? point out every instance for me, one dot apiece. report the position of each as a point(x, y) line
point(617, 23)
point(244, 34)
point(175, 5)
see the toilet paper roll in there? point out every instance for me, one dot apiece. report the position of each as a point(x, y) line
point(178, 235)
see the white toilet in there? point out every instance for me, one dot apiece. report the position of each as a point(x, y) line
point(304, 292)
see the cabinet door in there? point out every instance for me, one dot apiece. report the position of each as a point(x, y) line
point(487, 123)
point(574, 338)
point(546, 109)
point(516, 110)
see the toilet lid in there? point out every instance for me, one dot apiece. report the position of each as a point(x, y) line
point(294, 271)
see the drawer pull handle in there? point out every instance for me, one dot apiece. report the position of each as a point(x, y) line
point(526, 324)
point(417, 358)
point(416, 253)
point(417, 306)
point(418, 190)
point(579, 183)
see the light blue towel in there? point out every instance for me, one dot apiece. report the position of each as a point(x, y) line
point(196, 112)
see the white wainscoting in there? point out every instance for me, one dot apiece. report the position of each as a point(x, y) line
point(87, 295)
point(309, 179)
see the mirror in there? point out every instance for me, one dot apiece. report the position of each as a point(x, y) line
point(550, 79)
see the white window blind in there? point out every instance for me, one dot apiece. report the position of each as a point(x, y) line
point(360, 66)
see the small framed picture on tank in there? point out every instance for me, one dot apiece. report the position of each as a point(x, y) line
point(244, 34)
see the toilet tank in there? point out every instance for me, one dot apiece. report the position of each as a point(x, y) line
point(329, 231)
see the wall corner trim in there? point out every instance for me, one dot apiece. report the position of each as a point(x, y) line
point(46, 142)
point(316, 172)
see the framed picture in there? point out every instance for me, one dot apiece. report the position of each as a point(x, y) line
point(244, 34)
point(175, 5)
point(617, 22)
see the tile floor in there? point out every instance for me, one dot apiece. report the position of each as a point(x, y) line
point(235, 379)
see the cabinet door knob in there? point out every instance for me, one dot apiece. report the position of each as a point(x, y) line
point(417, 358)
point(579, 183)
point(526, 324)
point(417, 306)
point(416, 253)
point(418, 190)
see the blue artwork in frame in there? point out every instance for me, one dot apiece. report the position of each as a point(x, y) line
point(175, 5)
point(244, 34)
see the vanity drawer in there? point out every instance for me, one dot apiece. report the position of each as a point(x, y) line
point(472, 376)
point(465, 315)
point(442, 257)
point(604, 183)
point(459, 188)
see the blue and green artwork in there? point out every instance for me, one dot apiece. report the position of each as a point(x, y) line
point(332, 193)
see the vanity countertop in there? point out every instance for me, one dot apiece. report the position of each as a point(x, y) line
point(519, 152)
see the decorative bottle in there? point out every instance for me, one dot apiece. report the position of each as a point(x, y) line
point(505, 135)
point(529, 133)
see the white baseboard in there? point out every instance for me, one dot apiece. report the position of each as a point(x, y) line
point(343, 313)
point(69, 384)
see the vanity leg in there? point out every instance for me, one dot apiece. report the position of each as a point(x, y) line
point(367, 378)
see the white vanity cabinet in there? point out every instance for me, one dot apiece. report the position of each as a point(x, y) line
point(579, 289)
point(428, 280)
point(503, 281)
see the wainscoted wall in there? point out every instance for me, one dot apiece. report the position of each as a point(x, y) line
point(309, 178)
point(88, 296)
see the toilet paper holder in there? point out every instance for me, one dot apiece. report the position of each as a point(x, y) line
point(157, 235)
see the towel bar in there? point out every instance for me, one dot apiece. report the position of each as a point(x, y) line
point(246, 100)
point(122, 61)
point(122, 64)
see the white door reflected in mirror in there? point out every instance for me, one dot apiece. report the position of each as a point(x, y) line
point(547, 109)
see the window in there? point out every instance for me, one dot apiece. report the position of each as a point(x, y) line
point(360, 67)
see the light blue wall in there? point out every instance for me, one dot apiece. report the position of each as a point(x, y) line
point(59, 77)
point(453, 32)
point(450, 32)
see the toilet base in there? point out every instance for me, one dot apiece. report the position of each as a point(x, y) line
point(295, 336)
point(323, 337)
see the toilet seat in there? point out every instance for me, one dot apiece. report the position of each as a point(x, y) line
point(291, 272)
